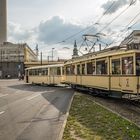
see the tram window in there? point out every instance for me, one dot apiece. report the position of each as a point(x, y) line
point(63, 71)
point(44, 71)
point(68, 70)
point(101, 67)
point(78, 69)
point(30, 72)
point(33, 72)
point(38, 72)
point(72, 69)
point(127, 65)
point(83, 69)
point(58, 71)
point(116, 66)
point(89, 68)
point(138, 64)
point(51, 71)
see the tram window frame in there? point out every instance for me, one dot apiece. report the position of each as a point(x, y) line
point(101, 67)
point(78, 68)
point(127, 65)
point(116, 66)
point(138, 64)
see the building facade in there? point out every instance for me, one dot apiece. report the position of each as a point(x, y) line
point(13, 57)
point(3, 21)
point(134, 37)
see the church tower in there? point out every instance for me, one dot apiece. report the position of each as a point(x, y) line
point(3, 21)
point(75, 51)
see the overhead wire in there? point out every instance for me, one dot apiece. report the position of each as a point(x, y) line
point(91, 26)
point(128, 27)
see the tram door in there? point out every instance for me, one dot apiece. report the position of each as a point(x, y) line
point(52, 74)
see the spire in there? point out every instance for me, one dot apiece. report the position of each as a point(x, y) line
point(36, 49)
point(75, 51)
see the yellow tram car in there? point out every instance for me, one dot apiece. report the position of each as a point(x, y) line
point(115, 70)
point(49, 74)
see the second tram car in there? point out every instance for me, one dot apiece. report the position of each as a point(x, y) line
point(115, 70)
point(49, 74)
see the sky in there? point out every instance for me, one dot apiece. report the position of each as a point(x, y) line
point(58, 23)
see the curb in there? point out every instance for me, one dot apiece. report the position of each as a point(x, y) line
point(65, 120)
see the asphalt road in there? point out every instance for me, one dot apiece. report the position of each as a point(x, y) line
point(29, 112)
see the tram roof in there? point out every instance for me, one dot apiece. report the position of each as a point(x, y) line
point(116, 50)
point(45, 66)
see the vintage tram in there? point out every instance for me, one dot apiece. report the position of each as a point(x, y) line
point(49, 74)
point(114, 71)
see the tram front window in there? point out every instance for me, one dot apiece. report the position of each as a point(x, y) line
point(138, 64)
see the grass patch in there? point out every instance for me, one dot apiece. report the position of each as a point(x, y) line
point(89, 121)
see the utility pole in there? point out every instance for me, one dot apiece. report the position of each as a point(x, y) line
point(48, 59)
point(19, 63)
point(52, 53)
point(41, 58)
point(1, 65)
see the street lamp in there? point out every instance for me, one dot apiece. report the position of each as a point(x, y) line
point(52, 53)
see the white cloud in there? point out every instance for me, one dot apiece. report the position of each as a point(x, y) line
point(56, 29)
point(17, 33)
point(113, 6)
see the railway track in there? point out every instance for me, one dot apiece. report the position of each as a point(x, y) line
point(126, 108)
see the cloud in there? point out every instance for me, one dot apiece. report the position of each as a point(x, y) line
point(56, 29)
point(17, 33)
point(113, 6)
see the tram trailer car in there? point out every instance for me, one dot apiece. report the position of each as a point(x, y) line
point(49, 74)
point(112, 72)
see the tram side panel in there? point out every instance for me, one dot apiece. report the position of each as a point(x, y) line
point(99, 82)
point(38, 79)
point(125, 84)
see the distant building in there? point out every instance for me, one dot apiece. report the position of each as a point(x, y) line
point(134, 37)
point(13, 57)
point(75, 51)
